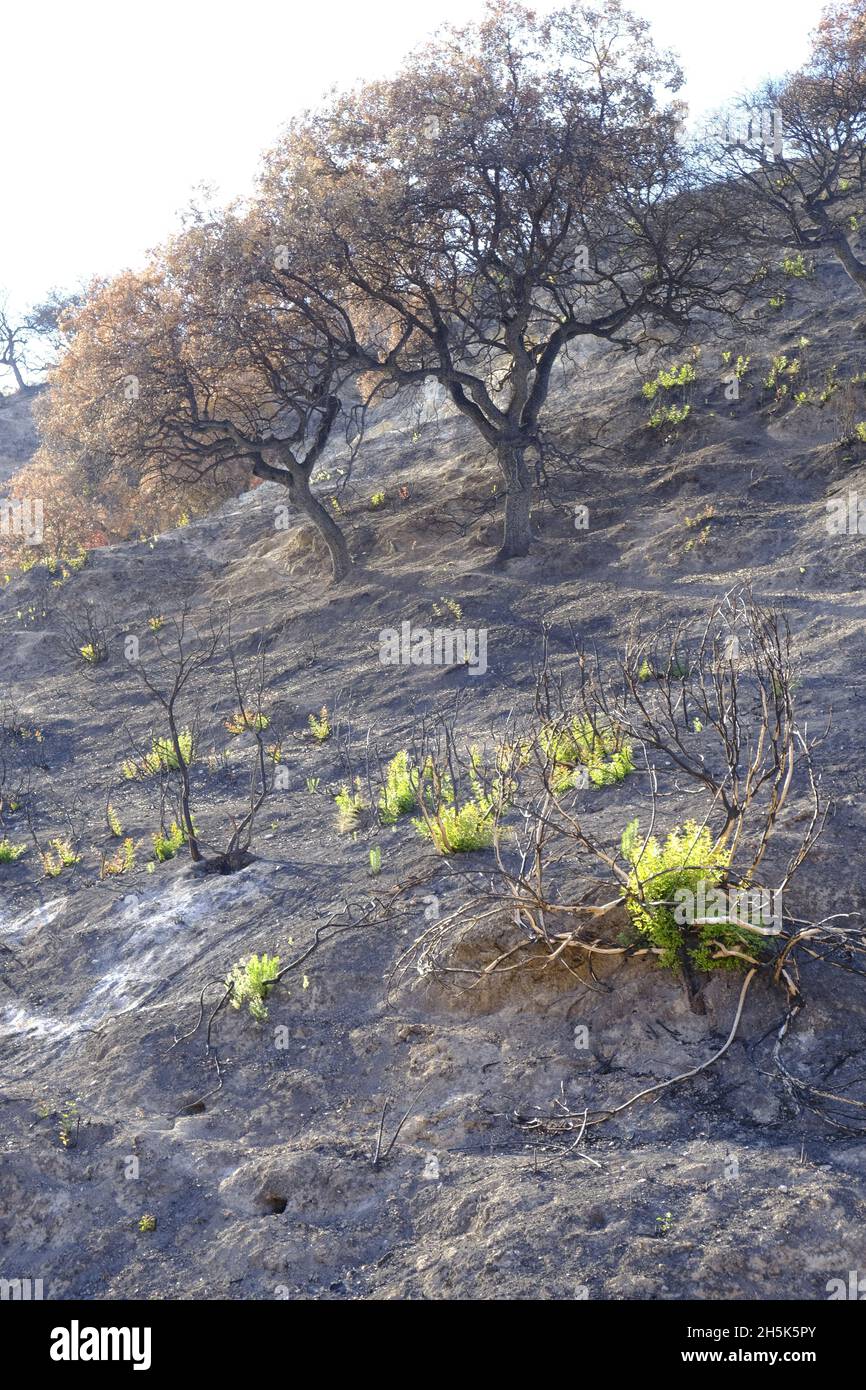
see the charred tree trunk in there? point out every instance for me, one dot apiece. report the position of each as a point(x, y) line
point(517, 531)
point(296, 479)
point(855, 267)
point(195, 853)
point(10, 360)
point(341, 560)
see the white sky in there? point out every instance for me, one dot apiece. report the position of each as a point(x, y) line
point(113, 113)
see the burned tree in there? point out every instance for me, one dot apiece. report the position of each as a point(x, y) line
point(515, 189)
point(794, 151)
point(186, 665)
point(14, 335)
point(195, 373)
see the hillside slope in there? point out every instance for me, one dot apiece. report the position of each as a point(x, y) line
point(256, 1162)
point(18, 438)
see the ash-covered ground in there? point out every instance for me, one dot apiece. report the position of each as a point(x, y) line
point(261, 1179)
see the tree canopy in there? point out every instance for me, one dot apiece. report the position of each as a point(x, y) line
point(519, 185)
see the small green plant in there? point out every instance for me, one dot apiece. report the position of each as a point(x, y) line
point(667, 380)
point(375, 861)
point(740, 367)
point(93, 653)
point(663, 879)
point(796, 268)
point(242, 720)
point(9, 852)
point(313, 784)
point(156, 623)
point(166, 843)
point(69, 1125)
point(58, 857)
point(114, 822)
point(161, 758)
point(777, 301)
point(462, 828)
point(147, 1223)
point(25, 732)
point(250, 983)
point(121, 863)
point(664, 1224)
point(377, 500)
point(351, 805)
point(781, 366)
point(674, 415)
point(831, 385)
point(701, 525)
point(448, 608)
point(399, 795)
point(860, 431)
point(579, 746)
point(320, 725)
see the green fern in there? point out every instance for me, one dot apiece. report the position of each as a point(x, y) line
point(166, 843)
point(60, 856)
point(161, 758)
point(242, 720)
point(250, 983)
point(471, 825)
point(581, 744)
point(320, 726)
point(122, 863)
point(797, 268)
point(687, 861)
point(460, 831)
point(351, 805)
point(399, 795)
point(667, 380)
point(669, 415)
